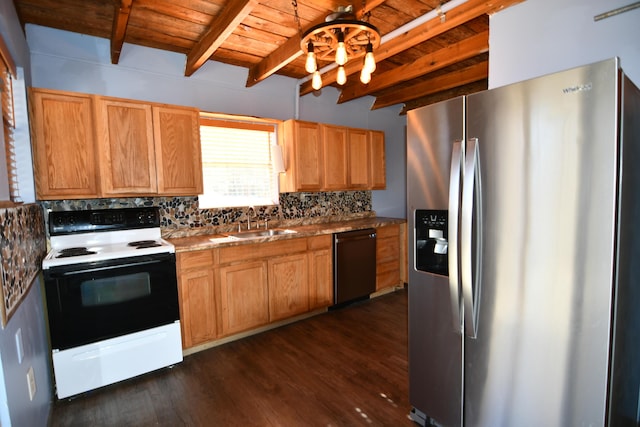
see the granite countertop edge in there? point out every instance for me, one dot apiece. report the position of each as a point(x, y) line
point(211, 241)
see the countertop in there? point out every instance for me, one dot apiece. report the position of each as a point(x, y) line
point(210, 241)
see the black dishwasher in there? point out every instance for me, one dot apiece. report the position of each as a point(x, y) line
point(354, 266)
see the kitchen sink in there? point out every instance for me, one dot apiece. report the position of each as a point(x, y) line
point(261, 233)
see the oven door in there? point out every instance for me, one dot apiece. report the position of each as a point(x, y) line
point(91, 302)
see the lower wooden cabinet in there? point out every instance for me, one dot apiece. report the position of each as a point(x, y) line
point(320, 271)
point(196, 290)
point(238, 288)
point(234, 289)
point(288, 286)
point(244, 296)
point(389, 256)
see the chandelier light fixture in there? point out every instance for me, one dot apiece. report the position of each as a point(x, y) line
point(341, 38)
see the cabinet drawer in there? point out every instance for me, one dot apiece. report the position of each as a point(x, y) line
point(387, 249)
point(262, 250)
point(195, 259)
point(320, 242)
point(388, 231)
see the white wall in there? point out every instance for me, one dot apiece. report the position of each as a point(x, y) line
point(69, 61)
point(539, 37)
point(15, 406)
point(29, 318)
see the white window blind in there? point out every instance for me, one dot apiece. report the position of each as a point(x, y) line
point(236, 163)
point(7, 71)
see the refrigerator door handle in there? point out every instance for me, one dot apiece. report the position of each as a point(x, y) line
point(453, 227)
point(470, 244)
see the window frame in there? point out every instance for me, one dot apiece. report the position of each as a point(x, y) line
point(248, 123)
point(8, 72)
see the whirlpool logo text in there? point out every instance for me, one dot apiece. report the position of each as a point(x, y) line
point(578, 88)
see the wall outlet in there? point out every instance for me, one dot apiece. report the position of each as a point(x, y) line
point(31, 382)
point(19, 346)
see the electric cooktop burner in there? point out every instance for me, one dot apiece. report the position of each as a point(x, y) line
point(141, 244)
point(80, 237)
point(78, 251)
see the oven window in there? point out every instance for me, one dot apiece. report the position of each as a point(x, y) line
point(114, 290)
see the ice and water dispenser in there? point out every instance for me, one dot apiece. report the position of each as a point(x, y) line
point(431, 240)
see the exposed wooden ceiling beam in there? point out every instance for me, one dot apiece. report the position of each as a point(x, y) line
point(444, 95)
point(465, 49)
point(280, 57)
point(450, 80)
point(221, 28)
point(120, 22)
point(434, 27)
point(290, 51)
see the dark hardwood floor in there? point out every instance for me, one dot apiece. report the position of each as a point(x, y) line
point(347, 367)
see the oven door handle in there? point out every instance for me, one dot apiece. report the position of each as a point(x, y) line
point(121, 263)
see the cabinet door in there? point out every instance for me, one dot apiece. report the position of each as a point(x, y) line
point(359, 161)
point(302, 151)
point(126, 148)
point(244, 298)
point(197, 306)
point(377, 168)
point(388, 269)
point(177, 147)
point(308, 156)
point(320, 279)
point(63, 145)
point(288, 286)
point(335, 150)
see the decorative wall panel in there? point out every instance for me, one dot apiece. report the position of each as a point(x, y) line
point(181, 215)
point(22, 249)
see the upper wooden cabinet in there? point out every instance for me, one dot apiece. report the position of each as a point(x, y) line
point(323, 157)
point(113, 147)
point(126, 151)
point(377, 162)
point(335, 149)
point(176, 133)
point(359, 158)
point(64, 147)
point(303, 156)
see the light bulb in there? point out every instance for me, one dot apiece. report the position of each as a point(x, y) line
point(341, 50)
point(316, 81)
point(369, 60)
point(342, 76)
point(365, 77)
point(311, 65)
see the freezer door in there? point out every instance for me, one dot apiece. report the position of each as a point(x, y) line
point(435, 345)
point(548, 152)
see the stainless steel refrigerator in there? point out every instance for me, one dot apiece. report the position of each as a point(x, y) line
point(524, 254)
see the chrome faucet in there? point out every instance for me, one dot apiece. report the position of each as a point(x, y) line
point(251, 212)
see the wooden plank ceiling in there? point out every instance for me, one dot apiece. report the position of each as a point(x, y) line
point(445, 55)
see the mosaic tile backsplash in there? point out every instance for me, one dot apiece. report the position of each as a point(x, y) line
point(23, 247)
point(181, 216)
